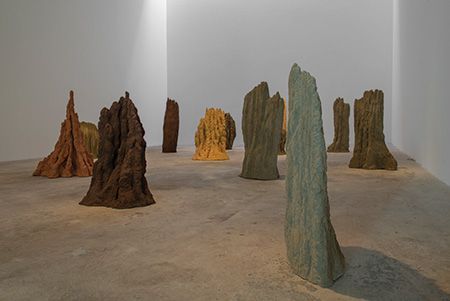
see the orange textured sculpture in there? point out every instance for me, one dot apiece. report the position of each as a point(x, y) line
point(70, 157)
point(211, 137)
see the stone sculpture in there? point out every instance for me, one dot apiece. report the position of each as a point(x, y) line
point(262, 120)
point(70, 157)
point(119, 173)
point(90, 137)
point(171, 126)
point(282, 149)
point(211, 137)
point(370, 151)
point(341, 111)
point(312, 248)
point(230, 127)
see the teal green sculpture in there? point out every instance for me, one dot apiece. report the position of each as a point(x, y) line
point(312, 248)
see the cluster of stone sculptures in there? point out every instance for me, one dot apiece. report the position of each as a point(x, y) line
point(269, 129)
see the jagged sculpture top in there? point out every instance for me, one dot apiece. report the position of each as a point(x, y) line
point(312, 248)
point(70, 156)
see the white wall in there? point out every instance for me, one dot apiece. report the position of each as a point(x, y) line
point(421, 106)
point(99, 48)
point(218, 50)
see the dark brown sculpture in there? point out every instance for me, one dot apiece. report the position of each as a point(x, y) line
point(230, 127)
point(370, 150)
point(70, 157)
point(341, 111)
point(282, 146)
point(171, 126)
point(119, 173)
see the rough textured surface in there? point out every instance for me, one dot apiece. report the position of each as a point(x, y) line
point(91, 137)
point(211, 137)
point(230, 127)
point(370, 151)
point(312, 248)
point(341, 113)
point(262, 119)
point(119, 173)
point(215, 236)
point(70, 157)
point(282, 149)
point(171, 126)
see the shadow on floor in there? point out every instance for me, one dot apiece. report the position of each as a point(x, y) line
point(371, 275)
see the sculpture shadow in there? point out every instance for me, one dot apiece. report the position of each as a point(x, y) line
point(371, 275)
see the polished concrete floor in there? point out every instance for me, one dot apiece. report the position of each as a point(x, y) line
point(215, 236)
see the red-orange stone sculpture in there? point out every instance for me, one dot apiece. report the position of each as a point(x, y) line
point(70, 157)
point(119, 173)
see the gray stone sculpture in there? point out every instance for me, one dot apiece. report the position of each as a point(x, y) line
point(341, 111)
point(312, 248)
point(262, 119)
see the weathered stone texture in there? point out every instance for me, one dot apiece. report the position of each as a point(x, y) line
point(262, 120)
point(312, 248)
point(370, 151)
point(91, 137)
point(211, 137)
point(282, 149)
point(230, 127)
point(119, 173)
point(171, 127)
point(341, 112)
point(70, 157)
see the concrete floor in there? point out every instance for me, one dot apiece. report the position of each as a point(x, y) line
point(215, 236)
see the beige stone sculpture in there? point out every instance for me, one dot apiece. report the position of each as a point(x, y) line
point(70, 157)
point(341, 111)
point(211, 137)
point(91, 137)
point(370, 150)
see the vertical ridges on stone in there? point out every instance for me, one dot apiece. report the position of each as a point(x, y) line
point(171, 127)
point(282, 149)
point(312, 248)
point(70, 157)
point(370, 151)
point(341, 114)
point(91, 137)
point(211, 137)
point(262, 119)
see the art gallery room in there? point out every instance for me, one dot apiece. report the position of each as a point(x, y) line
point(279, 150)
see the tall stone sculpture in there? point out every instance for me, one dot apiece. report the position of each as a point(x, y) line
point(119, 173)
point(211, 137)
point(70, 157)
point(90, 137)
point(262, 119)
point(370, 151)
point(282, 149)
point(312, 248)
point(341, 111)
point(171, 126)
point(230, 127)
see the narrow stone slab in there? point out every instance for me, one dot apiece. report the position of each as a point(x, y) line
point(119, 173)
point(171, 127)
point(230, 127)
point(312, 248)
point(70, 156)
point(341, 112)
point(262, 119)
point(370, 151)
point(282, 149)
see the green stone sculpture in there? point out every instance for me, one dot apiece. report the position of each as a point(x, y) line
point(91, 138)
point(262, 119)
point(312, 248)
